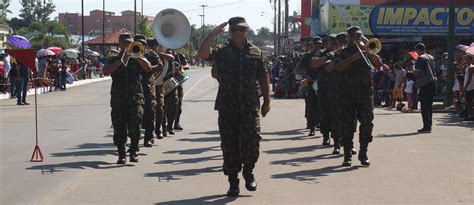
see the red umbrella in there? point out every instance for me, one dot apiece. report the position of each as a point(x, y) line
point(56, 50)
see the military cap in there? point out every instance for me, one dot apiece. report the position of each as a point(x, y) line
point(125, 37)
point(140, 37)
point(237, 21)
point(317, 39)
point(332, 37)
point(341, 35)
point(151, 41)
point(353, 30)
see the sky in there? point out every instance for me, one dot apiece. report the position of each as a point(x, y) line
point(216, 12)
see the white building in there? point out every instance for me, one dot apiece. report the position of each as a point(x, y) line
point(5, 31)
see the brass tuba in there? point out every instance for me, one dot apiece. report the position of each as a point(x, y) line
point(171, 28)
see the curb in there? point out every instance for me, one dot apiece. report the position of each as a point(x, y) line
point(43, 90)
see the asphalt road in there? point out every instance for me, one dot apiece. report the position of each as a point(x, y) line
point(79, 167)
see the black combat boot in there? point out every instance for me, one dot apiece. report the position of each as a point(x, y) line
point(336, 146)
point(364, 160)
point(347, 155)
point(134, 150)
point(250, 183)
point(326, 139)
point(353, 150)
point(234, 189)
point(311, 132)
point(122, 154)
point(148, 140)
point(177, 126)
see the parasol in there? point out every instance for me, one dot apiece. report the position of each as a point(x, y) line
point(56, 50)
point(44, 52)
point(19, 41)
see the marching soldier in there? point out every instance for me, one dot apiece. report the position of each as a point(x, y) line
point(311, 76)
point(239, 66)
point(126, 98)
point(355, 100)
point(181, 59)
point(171, 98)
point(148, 84)
point(328, 89)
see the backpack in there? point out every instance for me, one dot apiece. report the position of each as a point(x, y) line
point(427, 76)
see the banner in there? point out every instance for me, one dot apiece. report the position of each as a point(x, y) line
point(305, 18)
point(420, 20)
point(315, 19)
point(342, 17)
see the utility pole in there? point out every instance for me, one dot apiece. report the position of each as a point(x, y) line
point(103, 27)
point(286, 18)
point(203, 16)
point(279, 28)
point(135, 17)
point(448, 100)
point(274, 27)
point(83, 49)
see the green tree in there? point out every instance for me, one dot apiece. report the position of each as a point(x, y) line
point(17, 23)
point(4, 10)
point(264, 31)
point(145, 28)
point(33, 10)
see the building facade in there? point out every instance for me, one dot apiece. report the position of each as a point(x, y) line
point(5, 31)
point(93, 22)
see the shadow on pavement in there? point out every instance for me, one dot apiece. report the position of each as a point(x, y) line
point(96, 150)
point(176, 175)
point(311, 176)
point(302, 160)
point(194, 151)
point(52, 168)
point(454, 120)
point(295, 150)
point(303, 137)
point(94, 146)
point(398, 135)
point(190, 161)
point(285, 132)
point(214, 199)
point(209, 132)
point(201, 139)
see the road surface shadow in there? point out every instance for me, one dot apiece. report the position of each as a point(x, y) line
point(94, 146)
point(398, 135)
point(296, 150)
point(177, 175)
point(85, 153)
point(190, 161)
point(286, 132)
point(311, 176)
point(201, 139)
point(454, 120)
point(296, 162)
point(303, 137)
point(193, 151)
point(214, 199)
point(52, 168)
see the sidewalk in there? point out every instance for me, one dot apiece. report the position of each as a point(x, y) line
point(43, 90)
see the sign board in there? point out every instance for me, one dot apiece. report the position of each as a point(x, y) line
point(420, 20)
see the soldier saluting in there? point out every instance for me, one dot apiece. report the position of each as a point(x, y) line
point(126, 97)
point(239, 66)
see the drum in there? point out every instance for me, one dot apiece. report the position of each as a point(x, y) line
point(181, 75)
point(170, 85)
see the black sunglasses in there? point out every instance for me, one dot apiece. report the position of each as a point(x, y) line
point(235, 29)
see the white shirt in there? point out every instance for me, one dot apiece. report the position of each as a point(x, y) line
point(409, 87)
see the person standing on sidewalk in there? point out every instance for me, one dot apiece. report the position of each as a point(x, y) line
point(425, 80)
point(469, 86)
point(22, 79)
point(126, 97)
point(239, 66)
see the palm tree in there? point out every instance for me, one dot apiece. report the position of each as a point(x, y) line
point(4, 10)
point(43, 36)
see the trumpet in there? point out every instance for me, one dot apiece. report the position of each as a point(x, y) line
point(134, 50)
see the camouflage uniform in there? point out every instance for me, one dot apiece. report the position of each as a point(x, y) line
point(127, 104)
point(148, 84)
point(311, 98)
point(355, 100)
point(329, 99)
point(238, 105)
point(171, 103)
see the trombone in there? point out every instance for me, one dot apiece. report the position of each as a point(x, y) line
point(134, 50)
point(372, 46)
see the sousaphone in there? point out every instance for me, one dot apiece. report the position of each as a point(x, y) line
point(171, 28)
